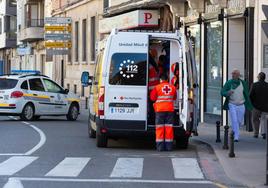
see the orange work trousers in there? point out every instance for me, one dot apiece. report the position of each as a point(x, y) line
point(164, 130)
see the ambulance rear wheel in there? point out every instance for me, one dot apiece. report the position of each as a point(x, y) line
point(182, 143)
point(102, 140)
point(91, 132)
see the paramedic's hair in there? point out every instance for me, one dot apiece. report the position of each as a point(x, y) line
point(163, 77)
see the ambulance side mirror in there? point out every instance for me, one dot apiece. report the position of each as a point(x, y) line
point(86, 80)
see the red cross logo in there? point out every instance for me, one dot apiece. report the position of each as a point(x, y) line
point(166, 89)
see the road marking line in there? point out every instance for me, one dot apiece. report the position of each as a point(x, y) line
point(15, 164)
point(9, 154)
point(128, 168)
point(69, 167)
point(116, 180)
point(13, 183)
point(26, 123)
point(186, 168)
point(41, 142)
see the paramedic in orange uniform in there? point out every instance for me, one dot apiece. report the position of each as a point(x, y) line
point(164, 95)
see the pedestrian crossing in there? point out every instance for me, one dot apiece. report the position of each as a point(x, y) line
point(131, 167)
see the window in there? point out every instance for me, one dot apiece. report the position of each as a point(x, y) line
point(1, 26)
point(24, 85)
point(36, 84)
point(76, 44)
point(75, 88)
point(68, 86)
point(93, 37)
point(82, 91)
point(128, 69)
point(11, 23)
point(213, 67)
point(84, 40)
point(52, 86)
point(7, 83)
point(105, 5)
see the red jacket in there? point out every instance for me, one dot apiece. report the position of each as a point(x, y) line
point(164, 95)
point(153, 78)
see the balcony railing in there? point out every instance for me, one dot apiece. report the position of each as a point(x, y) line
point(35, 23)
point(11, 35)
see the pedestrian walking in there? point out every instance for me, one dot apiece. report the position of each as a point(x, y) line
point(236, 95)
point(258, 96)
point(164, 95)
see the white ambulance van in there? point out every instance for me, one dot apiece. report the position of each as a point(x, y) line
point(119, 93)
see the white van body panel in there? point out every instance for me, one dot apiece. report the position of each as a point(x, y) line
point(135, 43)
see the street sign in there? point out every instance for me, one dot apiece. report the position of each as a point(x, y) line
point(58, 44)
point(58, 28)
point(57, 36)
point(57, 52)
point(58, 20)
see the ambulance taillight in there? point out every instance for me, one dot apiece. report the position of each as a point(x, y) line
point(101, 102)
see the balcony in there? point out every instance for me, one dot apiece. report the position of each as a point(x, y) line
point(34, 31)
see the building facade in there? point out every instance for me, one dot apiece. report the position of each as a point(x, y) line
point(85, 16)
point(226, 34)
point(8, 36)
point(30, 35)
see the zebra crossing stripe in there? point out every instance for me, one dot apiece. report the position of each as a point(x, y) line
point(15, 164)
point(128, 168)
point(186, 168)
point(69, 167)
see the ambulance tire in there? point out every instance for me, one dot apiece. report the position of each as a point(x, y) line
point(91, 131)
point(182, 143)
point(102, 140)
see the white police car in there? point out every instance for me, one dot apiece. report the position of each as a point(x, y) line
point(31, 96)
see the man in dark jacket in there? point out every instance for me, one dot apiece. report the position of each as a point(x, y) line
point(258, 96)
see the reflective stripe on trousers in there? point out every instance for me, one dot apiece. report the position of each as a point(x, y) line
point(164, 127)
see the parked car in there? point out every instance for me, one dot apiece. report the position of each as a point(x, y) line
point(33, 95)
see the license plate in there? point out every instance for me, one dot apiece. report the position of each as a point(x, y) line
point(121, 110)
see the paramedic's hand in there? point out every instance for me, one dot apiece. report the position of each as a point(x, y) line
point(230, 93)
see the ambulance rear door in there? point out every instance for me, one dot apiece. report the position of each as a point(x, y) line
point(178, 58)
point(126, 91)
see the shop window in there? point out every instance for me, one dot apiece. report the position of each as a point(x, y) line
point(213, 68)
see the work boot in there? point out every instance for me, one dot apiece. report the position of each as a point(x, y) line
point(264, 136)
point(255, 136)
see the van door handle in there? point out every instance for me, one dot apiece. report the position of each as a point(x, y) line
point(52, 97)
point(35, 95)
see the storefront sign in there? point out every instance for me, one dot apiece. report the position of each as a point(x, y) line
point(24, 50)
point(265, 56)
point(236, 7)
point(58, 20)
point(212, 11)
point(134, 19)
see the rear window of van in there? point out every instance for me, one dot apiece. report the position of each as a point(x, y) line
point(128, 69)
point(7, 83)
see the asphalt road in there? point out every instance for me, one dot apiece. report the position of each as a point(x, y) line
point(53, 152)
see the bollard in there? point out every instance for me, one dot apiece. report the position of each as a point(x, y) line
point(218, 134)
point(231, 153)
point(225, 140)
point(86, 102)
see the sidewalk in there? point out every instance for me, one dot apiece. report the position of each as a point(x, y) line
point(249, 165)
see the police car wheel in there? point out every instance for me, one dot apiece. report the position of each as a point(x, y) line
point(91, 132)
point(73, 113)
point(27, 112)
